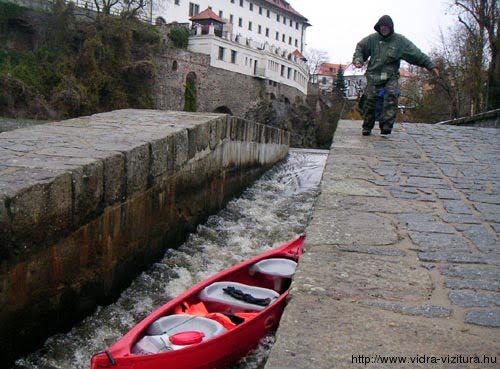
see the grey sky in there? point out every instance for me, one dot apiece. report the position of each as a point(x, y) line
point(338, 25)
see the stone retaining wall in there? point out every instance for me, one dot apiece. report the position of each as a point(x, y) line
point(217, 89)
point(489, 119)
point(86, 204)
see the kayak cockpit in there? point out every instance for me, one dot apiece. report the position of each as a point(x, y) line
point(218, 307)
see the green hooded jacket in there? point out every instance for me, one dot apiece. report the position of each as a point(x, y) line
point(386, 53)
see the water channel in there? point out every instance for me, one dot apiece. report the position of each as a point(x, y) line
point(274, 210)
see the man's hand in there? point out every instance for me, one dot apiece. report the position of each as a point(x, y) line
point(358, 64)
point(435, 71)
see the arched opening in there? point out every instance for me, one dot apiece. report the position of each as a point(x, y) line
point(223, 110)
point(272, 96)
point(190, 93)
point(175, 65)
point(159, 21)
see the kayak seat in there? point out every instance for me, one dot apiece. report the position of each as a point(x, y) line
point(237, 297)
point(174, 332)
point(280, 270)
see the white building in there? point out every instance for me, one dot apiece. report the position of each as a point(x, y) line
point(264, 21)
point(262, 38)
point(355, 80)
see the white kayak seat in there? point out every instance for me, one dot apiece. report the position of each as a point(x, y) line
point(278, 268)
point(160, 333)
point(215, 293)
point(173, 324)
point(148, 345)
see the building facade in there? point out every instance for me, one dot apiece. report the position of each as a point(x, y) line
point(274, 22)
point(260, 38)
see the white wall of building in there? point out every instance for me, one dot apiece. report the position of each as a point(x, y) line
point(240, 57)
point(255, 19)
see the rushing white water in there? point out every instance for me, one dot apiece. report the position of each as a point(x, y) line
point(274, 210)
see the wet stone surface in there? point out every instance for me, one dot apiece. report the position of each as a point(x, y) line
point(401, 257)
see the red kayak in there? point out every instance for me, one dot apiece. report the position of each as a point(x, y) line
point(215, 323)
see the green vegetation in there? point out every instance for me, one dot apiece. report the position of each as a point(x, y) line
point(179, 37)
point(58, 66)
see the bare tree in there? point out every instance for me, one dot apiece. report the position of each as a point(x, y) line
point(315, 58)
point(481, 20)
point(127, 8)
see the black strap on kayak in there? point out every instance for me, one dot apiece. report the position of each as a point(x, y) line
point(246, 297)
point(110, 358)
point(234, 318)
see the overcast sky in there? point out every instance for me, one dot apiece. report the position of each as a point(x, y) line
point(338, 25)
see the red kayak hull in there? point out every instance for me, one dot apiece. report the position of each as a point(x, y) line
point(218, 352)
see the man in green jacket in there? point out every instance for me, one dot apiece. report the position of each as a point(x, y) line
point(386, 49)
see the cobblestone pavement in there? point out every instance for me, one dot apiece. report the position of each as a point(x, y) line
point(403, 253)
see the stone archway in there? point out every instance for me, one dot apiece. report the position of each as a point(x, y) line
point(223, 110)
point(190, 93)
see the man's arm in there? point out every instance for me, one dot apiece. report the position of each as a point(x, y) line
point(362, 52)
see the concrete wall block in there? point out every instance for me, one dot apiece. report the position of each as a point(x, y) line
point(214, 133)
point(114, 179)
point(162, 157)
point(181, 148)
point(88, 192)
point(137, 169)
point(5, 227)
point(199, 137)
point(42, 212)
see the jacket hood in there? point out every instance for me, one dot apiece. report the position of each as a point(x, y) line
point(385, 20)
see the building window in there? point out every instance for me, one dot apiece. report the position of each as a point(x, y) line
point(277, 36)
point(250, 6)
point(268, 13)
point(283, 37)
point(289, 76)
point(291, 23)
point(193, 9)
point(297, 25)
point(221, 14)
point(249, 26)
point(289, 40)
point(259, 29)
point(241, 3)
point(221, 53)
point(240, 22)
point(232, 1)
point(284, 20)
point(267, 32)
point(283, 69)
point(278, 17)
point(233, 56)
point(296, 43)
point(260, 10)
point(177, 2)
point(231, 18)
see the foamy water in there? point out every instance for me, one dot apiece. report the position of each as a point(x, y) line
point(274, 210)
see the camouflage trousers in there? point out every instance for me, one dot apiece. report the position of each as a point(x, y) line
point(389, 107)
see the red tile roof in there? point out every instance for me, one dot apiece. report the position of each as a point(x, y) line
point(207, 14)
point(299, 55)
point(285, 6)
point(328, 69)
point(405, 73)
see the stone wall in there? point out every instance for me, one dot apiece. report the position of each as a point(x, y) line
point(489, 119)
point(217, 89)
point(86, 204)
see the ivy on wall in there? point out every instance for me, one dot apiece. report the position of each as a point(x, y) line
point(56, 65)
